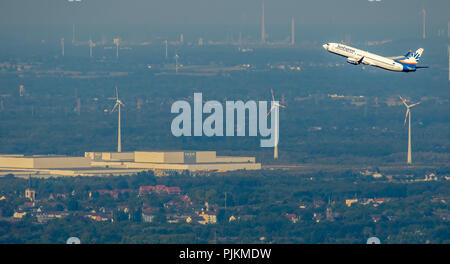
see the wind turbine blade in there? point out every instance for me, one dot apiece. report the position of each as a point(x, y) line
point(403, 100)
point(273, 97)
point(117, 93)
point(271, 109)
point(415, 104)
point(114, 108)
point(280, 105)
point(406, 116)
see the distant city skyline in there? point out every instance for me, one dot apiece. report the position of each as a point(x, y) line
point(218, 12)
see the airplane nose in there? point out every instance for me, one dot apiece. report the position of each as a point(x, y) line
point(325, 46)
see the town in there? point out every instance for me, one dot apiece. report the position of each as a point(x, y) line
point(246, 200)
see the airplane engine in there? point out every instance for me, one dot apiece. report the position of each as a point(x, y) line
point(353, 61)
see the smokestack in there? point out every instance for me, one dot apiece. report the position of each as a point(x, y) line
point(139, 104)
point(91, 45)
point(263, 30)
point(424, 25)
point(73, 34)
point(176, 63)
point(78, 109)
point(117, 43)
point(62, 47)
point(167, 54)
point(292, 32)
point(21, 90)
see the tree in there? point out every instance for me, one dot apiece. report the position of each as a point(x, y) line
point(222, 217)
point(72, 205)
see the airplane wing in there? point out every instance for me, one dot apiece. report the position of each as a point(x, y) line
point(364, 61)
point(396, 58)
point(400, 57)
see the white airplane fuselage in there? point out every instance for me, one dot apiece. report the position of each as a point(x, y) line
point(356, 56)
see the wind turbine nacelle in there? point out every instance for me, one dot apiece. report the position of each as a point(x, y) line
point(353, 61)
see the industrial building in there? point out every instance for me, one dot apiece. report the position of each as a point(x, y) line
point(172, 160)
point(42, 162)
point(122, 163)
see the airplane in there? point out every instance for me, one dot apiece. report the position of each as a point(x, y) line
point(406, 63)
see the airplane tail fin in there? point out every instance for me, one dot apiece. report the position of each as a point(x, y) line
point(413, 58)
point(407, 54)
point(418, 53)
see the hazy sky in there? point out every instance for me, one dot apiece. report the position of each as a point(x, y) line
point(219, 12)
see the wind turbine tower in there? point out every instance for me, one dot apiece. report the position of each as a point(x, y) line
point(449, 63)
point(263, 29)
point(292, 31)
point(117, 106)
point(275, 106)
point(408, 116)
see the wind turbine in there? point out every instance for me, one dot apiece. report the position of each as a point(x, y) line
point(408, 114)
point(117, 106)
point(275, 104)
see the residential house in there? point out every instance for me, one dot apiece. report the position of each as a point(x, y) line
point(30, 194)
point(159, 189)
point(349, 202)
point(195, 219)
point(99, 217)
point(147, 215)
point(209, 217)
point(19, 215)
point(293, 218)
